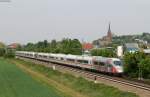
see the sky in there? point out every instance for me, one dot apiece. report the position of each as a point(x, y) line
point(24, 21)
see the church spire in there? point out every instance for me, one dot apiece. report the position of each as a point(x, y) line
point(109, 30)
point(109, 34)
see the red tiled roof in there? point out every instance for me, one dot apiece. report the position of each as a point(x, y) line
point(13, 45)
point(87, 46)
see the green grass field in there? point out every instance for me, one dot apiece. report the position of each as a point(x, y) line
point(15, 83)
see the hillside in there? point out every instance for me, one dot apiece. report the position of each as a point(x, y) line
point(143, 38)
point(131, 38)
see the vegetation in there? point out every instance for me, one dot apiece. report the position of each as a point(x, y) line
point(79, 84)
point(145, 67)
point(2, 45)
point(103, 52)
point(66, 46)
point(119, 40)
point(16, 83)
point(135, 62)
point(9, 53)
point(2, 52)
point(6, 52)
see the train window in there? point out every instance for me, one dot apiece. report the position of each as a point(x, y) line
point(99, 63)
point(109, 65)
point(102, 64)
point(80, 61)
point(118, 63)
point(44, 56)
point(70, 60)
point(61, 58)
point(51, 57)
point(85, 61)
point(96, 63)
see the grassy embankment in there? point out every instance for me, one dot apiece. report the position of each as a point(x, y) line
point(80, 85)
point(16, 83)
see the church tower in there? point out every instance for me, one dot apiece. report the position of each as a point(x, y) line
point(109, 34)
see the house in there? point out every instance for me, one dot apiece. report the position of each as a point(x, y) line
point(131, 47)
point(87, 47)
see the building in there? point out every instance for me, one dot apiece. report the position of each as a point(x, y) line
point(104, 41)
point(87, 47)
point(120, 51)
point(13, 46)
point(146, 51)
point(109, 35)
point(131, 47)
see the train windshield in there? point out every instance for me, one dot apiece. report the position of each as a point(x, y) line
point(118, 63)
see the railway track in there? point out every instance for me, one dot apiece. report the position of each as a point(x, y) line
point(114, 79)
point(92, 75)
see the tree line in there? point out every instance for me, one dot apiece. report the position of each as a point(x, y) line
point(65, 46)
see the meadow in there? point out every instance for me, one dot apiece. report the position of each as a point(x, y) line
point(16, 83)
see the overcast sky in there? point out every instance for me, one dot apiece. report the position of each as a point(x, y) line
point(34, 20)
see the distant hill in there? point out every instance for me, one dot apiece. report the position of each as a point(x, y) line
point(120, 40)
point(145, 37)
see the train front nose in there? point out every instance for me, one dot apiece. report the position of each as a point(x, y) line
point(119, 69)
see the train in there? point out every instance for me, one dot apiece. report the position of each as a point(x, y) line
point(95, 63)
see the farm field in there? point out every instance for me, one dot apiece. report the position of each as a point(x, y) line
point(16, 83)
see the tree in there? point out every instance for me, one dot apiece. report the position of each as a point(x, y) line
point(2, 45)
point(68, 46)
point(145, 67)
point(29, 47)
point(2, 49)
point(2, 52)
point(103, 52)
point(131, 61)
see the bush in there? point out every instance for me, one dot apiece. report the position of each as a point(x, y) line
point(131, 61)
point(2, 52)
point(145, 67)
point(10, 54)
point(103, 52)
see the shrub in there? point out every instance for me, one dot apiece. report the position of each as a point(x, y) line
point(131, 61)
point(145, 67)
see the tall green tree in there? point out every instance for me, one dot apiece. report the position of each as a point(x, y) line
point(131, 61)
point(145, 67)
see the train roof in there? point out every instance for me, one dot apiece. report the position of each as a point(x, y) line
point(25, 52)
point(69, 56)
point(60, 55)
point(84, 58)
point(45, 54)
point(104, 59)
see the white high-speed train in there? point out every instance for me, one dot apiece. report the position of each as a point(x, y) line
point(97, 63)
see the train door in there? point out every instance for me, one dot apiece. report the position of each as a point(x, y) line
point(109, 68)
point(35, 55)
